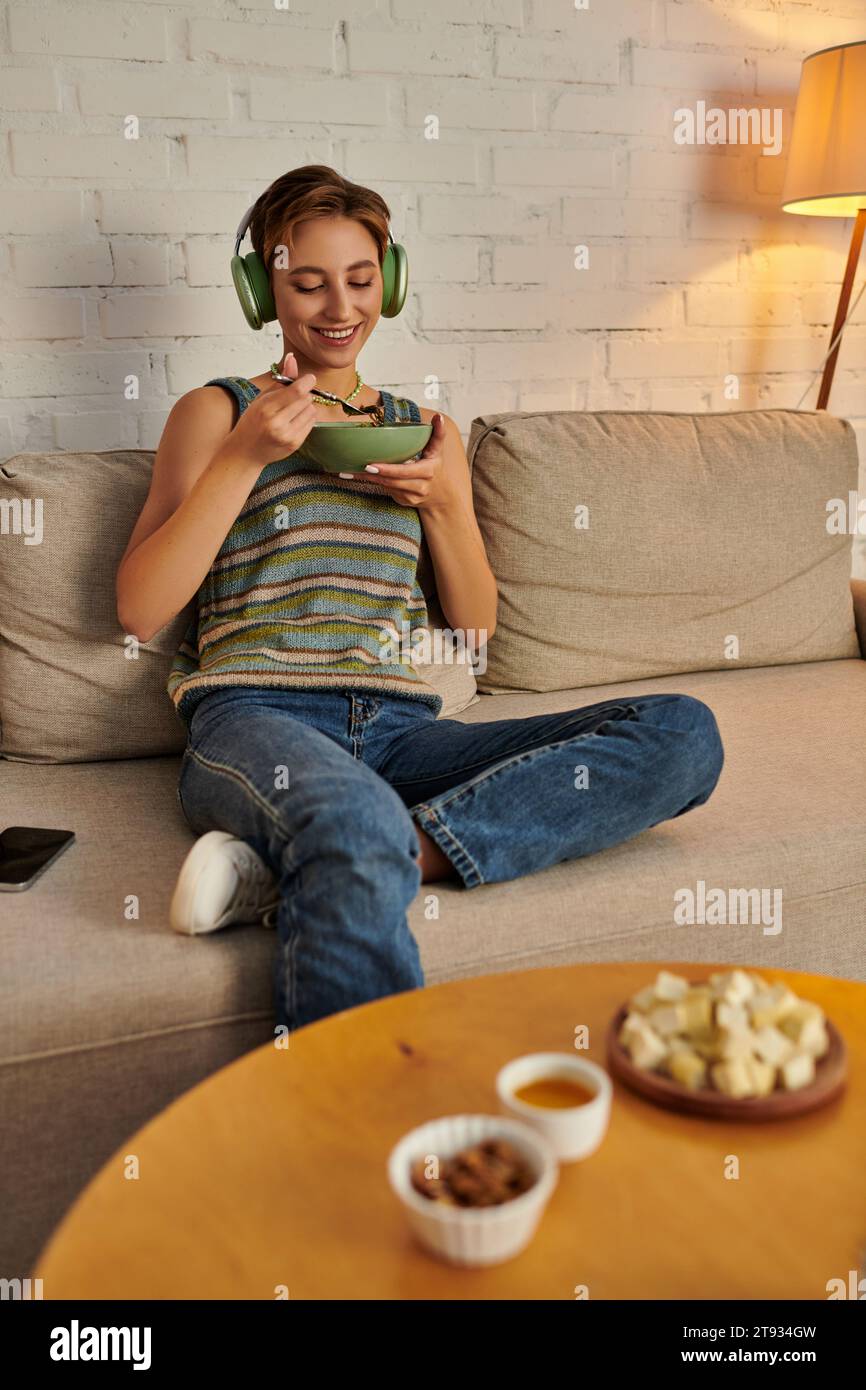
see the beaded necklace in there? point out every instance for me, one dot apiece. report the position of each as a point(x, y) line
point(358, 384)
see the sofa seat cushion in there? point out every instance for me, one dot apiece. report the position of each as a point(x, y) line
point(788, 812)
point(84, 970)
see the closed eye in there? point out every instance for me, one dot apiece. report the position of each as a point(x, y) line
point(356, 285)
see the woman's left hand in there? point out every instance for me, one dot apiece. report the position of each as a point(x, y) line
point(421, 482)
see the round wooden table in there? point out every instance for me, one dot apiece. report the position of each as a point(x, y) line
point(272, 1172)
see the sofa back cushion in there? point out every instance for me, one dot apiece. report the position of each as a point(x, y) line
point(628, 545)
point(73, 686)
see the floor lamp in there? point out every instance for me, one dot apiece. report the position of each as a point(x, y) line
point(826, 173)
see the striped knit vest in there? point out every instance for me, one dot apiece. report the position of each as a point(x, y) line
point(314, 588)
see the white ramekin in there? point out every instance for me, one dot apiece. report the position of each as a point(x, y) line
point(466, 1235)
point(572, 1133)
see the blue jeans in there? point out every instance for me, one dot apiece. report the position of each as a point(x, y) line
point(328, 787)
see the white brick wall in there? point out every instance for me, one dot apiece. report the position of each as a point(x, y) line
point(555, 131)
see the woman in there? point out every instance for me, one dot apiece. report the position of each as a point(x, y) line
point(323, 785)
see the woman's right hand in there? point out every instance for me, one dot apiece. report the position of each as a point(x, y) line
point(277, 422)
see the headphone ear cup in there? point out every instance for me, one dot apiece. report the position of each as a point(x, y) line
point(258, 278)
point(244, 292)
point(253, 289)
point(395, 280)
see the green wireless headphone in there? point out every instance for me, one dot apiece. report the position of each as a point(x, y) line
point(254, 292)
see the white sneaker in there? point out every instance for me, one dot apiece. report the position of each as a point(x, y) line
point(222, 880)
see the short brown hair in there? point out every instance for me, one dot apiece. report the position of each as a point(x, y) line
point(313, 191)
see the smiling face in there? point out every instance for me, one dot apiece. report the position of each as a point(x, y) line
point(331, 282)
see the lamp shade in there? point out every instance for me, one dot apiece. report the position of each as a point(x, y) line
point(826, 173)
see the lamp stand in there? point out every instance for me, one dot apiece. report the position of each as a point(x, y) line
point(842, 308)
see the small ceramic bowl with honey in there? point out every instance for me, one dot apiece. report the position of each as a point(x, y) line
point(566, 1098)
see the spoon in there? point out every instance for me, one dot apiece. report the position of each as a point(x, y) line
point(373, 410)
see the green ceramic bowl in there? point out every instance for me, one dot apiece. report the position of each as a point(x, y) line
point(347, 448)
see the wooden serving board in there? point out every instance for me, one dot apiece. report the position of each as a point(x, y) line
point(830, 1078)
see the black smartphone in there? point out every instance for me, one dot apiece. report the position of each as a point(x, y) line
point(25, 853)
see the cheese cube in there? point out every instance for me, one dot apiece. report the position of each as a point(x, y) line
point(632, 1023)
point(686, 1067)
point(644, 999)
point(670, 987)
point(783, 993)
point(635, 1026)
point(733, 1042)
point(807, 1029)
point(771, 1045)
point(643, 1045)
point(697, 1009)
point(646, 1049)
point(668, 1019)
point(733, 1078)
point(762, 1076)
point(814, 1038)
point(793, 1022)
point(734, 987)
point(798, 1071)
point(731, 1015)
point(772, 1005)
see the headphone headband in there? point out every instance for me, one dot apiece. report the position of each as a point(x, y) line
point(242, 226)
point(247, 219)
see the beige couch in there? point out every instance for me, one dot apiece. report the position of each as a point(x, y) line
point(634, 553)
